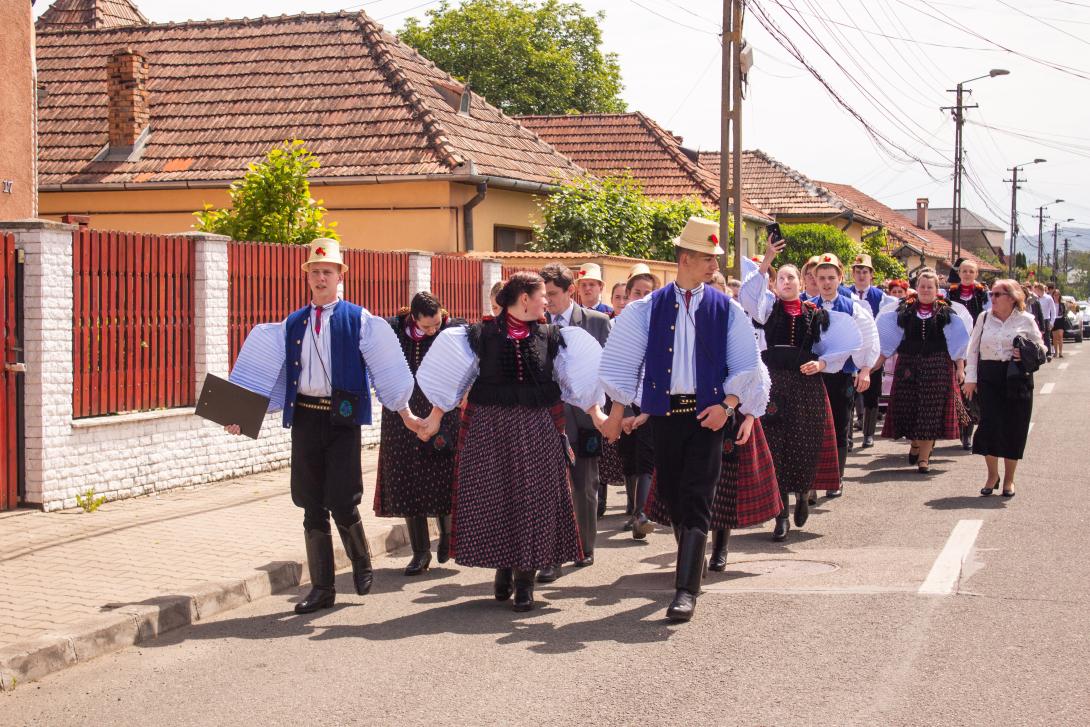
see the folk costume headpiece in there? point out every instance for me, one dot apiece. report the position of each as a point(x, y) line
point(590, 271)
point(325, 250)
point(700, 235)
point(863, 261)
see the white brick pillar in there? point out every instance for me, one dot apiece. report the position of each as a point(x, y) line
point(419, 272)
point(491, 273)
point(210, 339)
point(47, 341)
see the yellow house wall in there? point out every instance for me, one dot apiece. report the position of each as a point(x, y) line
point(17, 145)
point(396, 216)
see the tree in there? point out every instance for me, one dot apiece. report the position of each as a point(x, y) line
point(805, 241)
point(886, 266)
point(612, 216)
point(272, 203)
point(523, 57)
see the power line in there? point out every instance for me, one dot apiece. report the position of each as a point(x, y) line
point(672, 20)
point(1042, 22)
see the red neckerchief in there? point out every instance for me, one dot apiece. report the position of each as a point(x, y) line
point(925, 310)
point(413, 331)
point(516, 329)
point(965, 292)
point(792, 307)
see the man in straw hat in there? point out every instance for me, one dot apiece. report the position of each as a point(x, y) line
point(699, 360)
point(327, 353)
point(590, 284)
point(865, 290)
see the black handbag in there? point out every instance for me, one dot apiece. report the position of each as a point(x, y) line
point(442, 442)
point(589, 443)
point(346, 404)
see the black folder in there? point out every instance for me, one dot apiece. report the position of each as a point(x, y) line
point(226, 403)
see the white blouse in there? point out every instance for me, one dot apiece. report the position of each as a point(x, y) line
point(993, 339)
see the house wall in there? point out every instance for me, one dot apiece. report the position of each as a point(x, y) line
point(502, 207)
point(18, 188)
point(855, 230)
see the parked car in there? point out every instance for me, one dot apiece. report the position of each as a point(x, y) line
point(1084, 309)
point(1075, 319)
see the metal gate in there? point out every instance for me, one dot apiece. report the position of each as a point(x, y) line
point(11, 380)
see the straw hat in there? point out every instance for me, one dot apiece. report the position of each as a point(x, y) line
point(325, 250)
point(863, 261)
point(828, 259)
point(590, 271)
point(700, 235)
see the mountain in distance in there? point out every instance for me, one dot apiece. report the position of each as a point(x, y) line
point(1079, 237)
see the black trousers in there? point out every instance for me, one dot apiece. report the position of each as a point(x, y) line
point(688, 460)
point(326, 475)
point(841, 391)
point(874, 391)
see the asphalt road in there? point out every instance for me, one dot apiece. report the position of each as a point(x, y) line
point(826, 629)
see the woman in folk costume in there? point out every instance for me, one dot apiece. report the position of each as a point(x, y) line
point(512, 496)
point(801, 341)
point(967, 292)
point(611, 464)
point(637, 444)
point(415, 479)
point(929, 339)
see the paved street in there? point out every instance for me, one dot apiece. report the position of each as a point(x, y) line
point(827, 628)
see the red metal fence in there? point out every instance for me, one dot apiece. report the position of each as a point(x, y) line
point(508, 270)
point(132, 323)
point(9, 443)
point(265, 284)
point(456, 281)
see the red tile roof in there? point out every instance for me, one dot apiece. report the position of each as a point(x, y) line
point(611, 144)
point(901, 231)
point(223, 92)
point(85, 14)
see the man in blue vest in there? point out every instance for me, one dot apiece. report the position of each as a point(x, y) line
point(699, 361)
point(332, 350)
point(876, 300)
point(842, 385)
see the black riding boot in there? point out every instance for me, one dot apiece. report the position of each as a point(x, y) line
point(630, 494)
point(719, 550)
point(442, 550)
point(504, 583)
point(842, 461)
point(690, 569)
point(802, 509)
point(420, 539)
point(602, 490)
point(783, 522)
point(320, 564)
point(355, 545)
point(524, 590)
point(870, 423)
point(642, 525)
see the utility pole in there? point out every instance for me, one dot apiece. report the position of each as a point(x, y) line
point(1014, 222)
point(1067, 247)
point(1040, 236)
point(1055, 259)
point(1055, 234)
point(730, 134)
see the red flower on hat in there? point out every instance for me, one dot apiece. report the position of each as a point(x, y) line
point(828, 259)
point(582, 273)
point(714, 239)
point(319, 251)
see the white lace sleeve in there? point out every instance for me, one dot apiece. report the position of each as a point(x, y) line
point(756, 298)
point(747, 377)
point(576, 369)
point(838, 341)
point(449, 368)
point(621, 369)
point(870, 348)
point(260, 366)
point(386, 365)
point(890, 334)
point(957, 337)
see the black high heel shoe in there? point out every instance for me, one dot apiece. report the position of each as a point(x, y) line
point(987, 491)
point(913, 457)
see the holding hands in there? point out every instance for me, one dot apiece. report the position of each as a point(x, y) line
point(812, 367)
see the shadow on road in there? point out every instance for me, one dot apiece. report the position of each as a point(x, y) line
point(967, 502)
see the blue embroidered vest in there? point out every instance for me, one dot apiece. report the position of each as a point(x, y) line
point(349, 372)
point(842, 304)
point(712, 318)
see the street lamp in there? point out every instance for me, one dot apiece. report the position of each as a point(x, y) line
point(959, 121)
point(1014, 210)
point(1041, 232)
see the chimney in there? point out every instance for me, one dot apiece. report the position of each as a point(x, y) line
point(921, 212)
point(127, 93)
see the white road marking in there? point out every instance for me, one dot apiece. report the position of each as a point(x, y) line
point(1047, 388)
point(946, 571)
point(1063, 366)
point(1071, 353)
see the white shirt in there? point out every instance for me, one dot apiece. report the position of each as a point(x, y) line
point(993, 339)
point(683, 368)
point(315, 374)
point(1048, 308)
point(869, 349)
point(564, 319)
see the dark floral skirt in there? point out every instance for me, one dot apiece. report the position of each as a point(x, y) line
point(925, 402)
point(610, 466)
point(800, 431)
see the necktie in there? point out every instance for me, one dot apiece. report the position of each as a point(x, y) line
point(688, 298)
point(317, 320)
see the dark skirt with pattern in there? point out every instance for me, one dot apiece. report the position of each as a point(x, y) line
point(748, 492)
point(1005, 410)
point(413, 480)
point(610, 466)
point(512, 492)
point(800, 431)
point(925, 402)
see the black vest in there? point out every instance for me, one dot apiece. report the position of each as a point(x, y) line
point(515, 373)
point(790, 340)
point(923, 335)
point(416, 350)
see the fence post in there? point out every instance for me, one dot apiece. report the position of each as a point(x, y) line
point(47, 342)
point(419, 272)
point(211, 342)
point(491, 273)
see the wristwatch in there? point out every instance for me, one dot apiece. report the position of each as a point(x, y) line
point(728, 408)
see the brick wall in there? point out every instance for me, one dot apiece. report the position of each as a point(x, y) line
point(128, 110)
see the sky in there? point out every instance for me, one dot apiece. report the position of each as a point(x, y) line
point(891, 61)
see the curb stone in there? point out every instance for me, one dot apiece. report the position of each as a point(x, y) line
point(137, 623)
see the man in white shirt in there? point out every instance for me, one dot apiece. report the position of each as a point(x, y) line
point(1048, 312)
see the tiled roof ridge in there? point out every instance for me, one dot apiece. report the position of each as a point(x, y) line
point(401, 84)
point(672, 148)
point(814, 188)
point(340, 14)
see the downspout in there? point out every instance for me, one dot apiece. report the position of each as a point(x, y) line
point(851, 219)
point(467, 213)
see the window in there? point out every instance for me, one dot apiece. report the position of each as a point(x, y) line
point(511, 239)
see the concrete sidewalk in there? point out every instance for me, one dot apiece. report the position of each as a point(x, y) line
point(77, 586)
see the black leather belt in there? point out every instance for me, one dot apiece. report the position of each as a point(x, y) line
point(682, 404)
point(317, 403)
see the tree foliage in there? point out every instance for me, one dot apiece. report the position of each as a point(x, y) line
point(805, 241)
point(272, 203)
point(523, 57)
point(612, 216)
